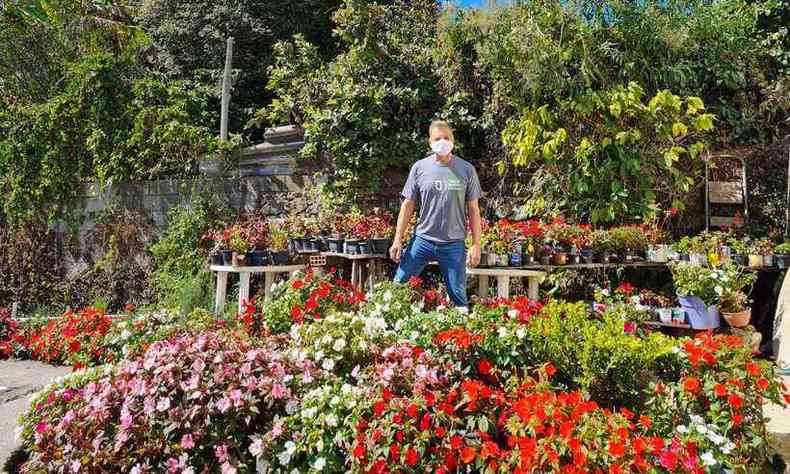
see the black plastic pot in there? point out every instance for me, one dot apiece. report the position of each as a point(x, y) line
point(545, 260)
point(528, 259)
point(740, 259)
point(256, 258)
point(782, 261)
point(352, 246)
point(216, 258)
point(380, 245)
point(364, 247)
point(574, 259)
point(335, 245)
point(280, 258)
point(312, 245)
point(227, 257)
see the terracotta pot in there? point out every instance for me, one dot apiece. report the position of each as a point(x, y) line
point(738, 320)
point(559, 258)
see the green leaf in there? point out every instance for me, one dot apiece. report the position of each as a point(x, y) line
point(694, 104)
point(679, 129)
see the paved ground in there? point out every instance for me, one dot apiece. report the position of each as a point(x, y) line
point(779, 427)
point(18, 380)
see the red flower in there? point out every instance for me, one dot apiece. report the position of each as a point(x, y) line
point(625, 288)
point(645, 421)
point(467, 455)
point(753, 369)
point(394, 452)
point(359, 450)
point(616, 448)
point(737, 419)
point(484, 366)
point(412, 411)
point(735, 401)
point(297, 284)
point(412, 457)
point(550, 370)
point(720, 390)
point(691, 384)
point(415, 282)
point(763, 384)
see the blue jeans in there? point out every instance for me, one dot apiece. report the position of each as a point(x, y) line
point(452, 263)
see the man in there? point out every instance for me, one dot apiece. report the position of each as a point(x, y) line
point(448, 190)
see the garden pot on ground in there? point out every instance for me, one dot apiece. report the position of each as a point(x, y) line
point(280, 257)
point(502, 260)
point(738, 320)
point(335, 245)
point(227, 257)
point(380, 245)
point(239, 259)
point(352, 246)
point(559, 258)
point(755, 260)
point(782, 261)
point(740, 259)
point(216, 258)
point(700, 316)
point(363, 247)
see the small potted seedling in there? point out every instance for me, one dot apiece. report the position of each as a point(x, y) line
point(782, 255)
point(278, 244)
point(602, 244)
point(240, 245)
point(382, 229)
point(739, 250)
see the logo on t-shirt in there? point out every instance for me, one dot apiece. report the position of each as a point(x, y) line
point(438, 185)
point(454, 184)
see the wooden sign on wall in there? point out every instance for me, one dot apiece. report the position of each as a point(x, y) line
point(725, 192)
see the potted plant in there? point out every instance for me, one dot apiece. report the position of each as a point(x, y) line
point(382, 230)
point(546, 252)
point(740, 249)
point(733, 297)
point(629, 242)
point(700, 290)
point(363, 231)
point(602, 245)
point(562, 237)
point(239, 243)
point(682, 247)
point(766, 249)
point(340, 228)
point(782, 255)
point(278, 244)
point(212, 239)
point(761, 252)
point(660, 304)
point(258, 232)
point(697, 251)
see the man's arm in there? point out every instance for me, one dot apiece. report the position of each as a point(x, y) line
point(404, 216)
point(477, 231)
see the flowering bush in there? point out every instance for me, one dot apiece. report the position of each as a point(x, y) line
point(717, 404)
point(8, 329)
point(188, 404)
point(378, 224)
point(74, 338)
point(307, 297)
point(712, 285)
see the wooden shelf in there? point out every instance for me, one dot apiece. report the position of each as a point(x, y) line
point(354, 256)
point(258, 269)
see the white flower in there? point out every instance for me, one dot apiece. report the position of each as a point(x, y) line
point(463, 309)
point(328, 365)
point(521, 333)
point(331, 420)
point(682, 429)
point(290, 407)
point(719, 290)
point(701, 429)
point(716, 438)
point(340, 344)
point(387, 295)
point(708, 459)
point(319, 464)
point(126, 334)
point(284, 458)
point(512, 313)
point(727, 448)
point(502, 332)
point(319, 355)
point(327, 339)
point(290, 447)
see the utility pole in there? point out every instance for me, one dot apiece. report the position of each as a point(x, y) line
point(226, 78)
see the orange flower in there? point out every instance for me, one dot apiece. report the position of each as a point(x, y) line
point(468, 455)
point(691, 384)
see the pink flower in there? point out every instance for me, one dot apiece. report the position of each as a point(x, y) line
point(256, 447)
point(224, 404)
point(164, 404)
point(227, 468)
point(187, 442)
point(41, 427)
point(236, 397)
point(173, 465)
point(221, 452)
point(279, 391)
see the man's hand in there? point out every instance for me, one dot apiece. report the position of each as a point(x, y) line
point(473, 259)
point(396, 249)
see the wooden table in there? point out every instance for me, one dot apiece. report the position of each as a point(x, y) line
point(503, 276)
point(365, 268)
point(244, 281)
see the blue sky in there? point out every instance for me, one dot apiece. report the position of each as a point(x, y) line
point(472, 3)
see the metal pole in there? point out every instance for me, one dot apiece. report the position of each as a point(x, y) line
point(707, 196)
point(226, 77)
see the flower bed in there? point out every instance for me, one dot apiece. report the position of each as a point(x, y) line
point(395, 383)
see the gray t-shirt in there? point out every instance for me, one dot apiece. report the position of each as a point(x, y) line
point(443, 192)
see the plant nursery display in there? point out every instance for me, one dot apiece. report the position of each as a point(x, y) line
point(322, 378)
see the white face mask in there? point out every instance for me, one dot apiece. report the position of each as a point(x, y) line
point(442, 147)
